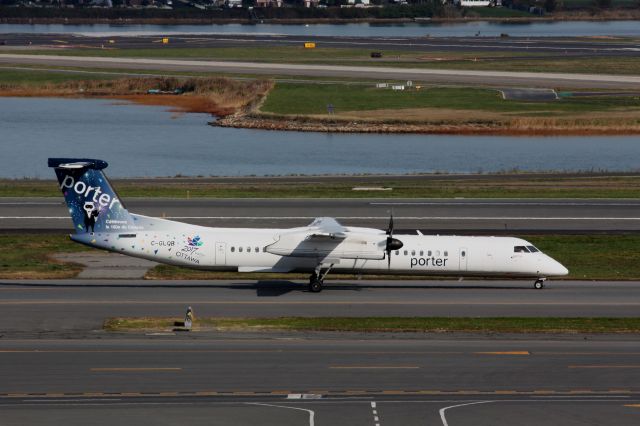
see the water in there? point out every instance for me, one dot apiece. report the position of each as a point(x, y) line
point(142, 141)
point(451, 29)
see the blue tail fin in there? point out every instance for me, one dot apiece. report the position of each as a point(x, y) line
point(93, 204)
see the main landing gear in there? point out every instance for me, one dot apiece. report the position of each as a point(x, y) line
point(316, 280)
point(539, 284)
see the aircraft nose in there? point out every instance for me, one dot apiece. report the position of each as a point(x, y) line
point(554, 268)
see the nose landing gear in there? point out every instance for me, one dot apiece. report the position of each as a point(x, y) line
point(539, 284)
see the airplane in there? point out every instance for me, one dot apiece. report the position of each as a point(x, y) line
point(101, 220)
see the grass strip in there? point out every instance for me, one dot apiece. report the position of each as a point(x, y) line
point(430, 186)
point(301, 99)
point(591, 257)
point(588, 257)
point(29, 257)
point(388, 324)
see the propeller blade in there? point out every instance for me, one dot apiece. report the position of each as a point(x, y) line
point(390, 228)
point(392, 243)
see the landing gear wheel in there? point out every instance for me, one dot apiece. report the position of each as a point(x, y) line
point(315, 286)
point(538, 285)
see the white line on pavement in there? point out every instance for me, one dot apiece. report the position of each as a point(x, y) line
point(273, 67)
point(356, 218)
point(443, 410)
point(311, 412)
point(376, 418)
point(493, 203)
point(30, 203)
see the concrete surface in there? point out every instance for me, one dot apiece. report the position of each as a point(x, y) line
point(469, 216)
point(69, 307)
point(529, 94)
point(388, 381)
point(528, 47)
point(104, 265)
point(493, 78)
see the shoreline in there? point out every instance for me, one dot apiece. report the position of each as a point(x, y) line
point(542, 127)
point(616, 15)
point(224, 116)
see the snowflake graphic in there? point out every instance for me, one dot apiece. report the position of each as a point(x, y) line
point(195, 241)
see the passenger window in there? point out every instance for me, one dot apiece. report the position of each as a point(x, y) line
point(239, 249)
point(463, 253)
point(532, 249)
point(446, 253)
point(406, 252)
point(257, 249)
point(429, 253)
point(520, 249)
point(413, 252)
point(421, 253)
point(248, 249)
point(397, 252)
point(438, 253)
point(233, 249)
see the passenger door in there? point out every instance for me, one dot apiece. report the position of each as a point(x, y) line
point(463, 254)
point(221, 253)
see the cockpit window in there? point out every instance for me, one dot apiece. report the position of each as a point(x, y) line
point(532, 249)
point(520, 249)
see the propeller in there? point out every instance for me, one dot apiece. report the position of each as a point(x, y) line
point(392, 243)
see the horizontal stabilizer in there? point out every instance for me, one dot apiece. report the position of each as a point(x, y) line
point(77, 163)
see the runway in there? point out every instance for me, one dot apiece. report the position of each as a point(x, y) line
point(475, 216)
point(58, 366)
point(492, 78)
point(558, 46)
point(377, 380)
point(79, 307)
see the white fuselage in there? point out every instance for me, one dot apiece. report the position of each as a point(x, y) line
point(246, 250)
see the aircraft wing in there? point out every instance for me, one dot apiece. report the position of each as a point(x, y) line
point(323, 238)
point(327, 227)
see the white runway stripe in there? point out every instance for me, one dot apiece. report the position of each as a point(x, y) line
point(30, 203)
point(356, 218)
point(511, 203)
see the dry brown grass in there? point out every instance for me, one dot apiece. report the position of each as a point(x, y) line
point(472, 124)
point(220, 96)
point(423, 115)
point(450, 121)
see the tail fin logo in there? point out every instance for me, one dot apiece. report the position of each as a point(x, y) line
point(93, 204)
point(81, 188)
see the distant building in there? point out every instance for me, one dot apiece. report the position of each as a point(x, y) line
point(478, 3)
point(268, 3)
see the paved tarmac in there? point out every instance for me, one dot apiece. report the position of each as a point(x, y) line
point(69, 307)
point(463, 216)
point(548, 46)
point(472, 77)
point(380, 380)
